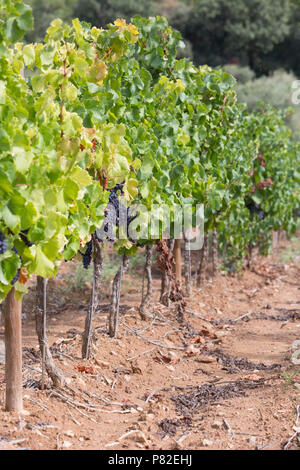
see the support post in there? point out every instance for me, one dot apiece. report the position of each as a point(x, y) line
point(177, 256)
point(13, 352)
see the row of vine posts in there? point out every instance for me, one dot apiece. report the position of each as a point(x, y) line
point(170, 263)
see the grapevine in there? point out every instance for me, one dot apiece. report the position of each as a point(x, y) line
point(96, 123)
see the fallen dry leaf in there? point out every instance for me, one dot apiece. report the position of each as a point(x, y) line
point(86, 369)
point(197, 339)
point(136, 369)
point(171, 358)
point(207, 333)
point(224, 327)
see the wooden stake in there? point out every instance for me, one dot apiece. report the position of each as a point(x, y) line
point(177, 255)
point(168, 262)
point(202, 262)
point(115, 302)
point(94, 300)
point(45, 281)
point(187, 267)
point(146, 298)
point(214, 253)
point(53, 371)
point(13, 352)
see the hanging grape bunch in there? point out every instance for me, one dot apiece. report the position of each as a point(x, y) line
point(3, 244)
point(16, 278)
point(116, 215)
point(87, 256)
point(297, 213)
point(255, 208)
point(252, 207)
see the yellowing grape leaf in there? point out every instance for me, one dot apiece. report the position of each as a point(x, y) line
point(81, 176)
point(120, 22)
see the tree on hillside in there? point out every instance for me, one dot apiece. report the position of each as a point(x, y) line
point(275, 90)
point(287, 53)
point(224, 30)
point(101, 12)
point(44, 11)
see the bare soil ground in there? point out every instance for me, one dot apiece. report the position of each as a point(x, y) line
point(224, 382)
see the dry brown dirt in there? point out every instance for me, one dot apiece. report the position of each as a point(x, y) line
point(215, 383)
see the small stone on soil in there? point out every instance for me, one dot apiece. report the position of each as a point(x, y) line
point(217, 425)
point(252, 440)
point(207, 443)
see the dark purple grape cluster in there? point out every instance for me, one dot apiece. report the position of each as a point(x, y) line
point(118, 187)
point(16, 278)
point(252, 207)
point(111, 215)
point(297, 213)
point(255, 208)
point(115, 215)
point(87, 256)
point(115, 203)
point(3, 243)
